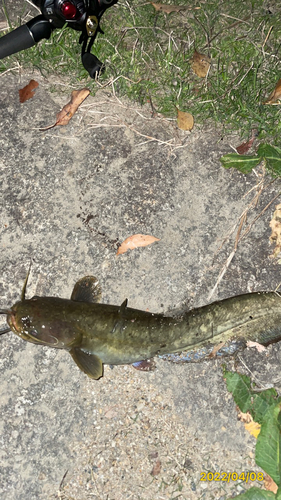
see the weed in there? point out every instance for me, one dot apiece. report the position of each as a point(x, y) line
point(152, 50)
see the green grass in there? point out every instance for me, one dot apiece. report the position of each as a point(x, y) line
point(150, 53)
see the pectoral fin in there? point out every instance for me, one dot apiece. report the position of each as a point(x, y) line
point(87, 289)
point(88, 363)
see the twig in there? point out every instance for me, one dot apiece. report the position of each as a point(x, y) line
point(231, 26)
point(122, 123)
point(221, 275)
point(249, 227)
point(34, 6)
point(267, 36)
point(240, 236)
point(61, 485)
point(245, 212)
point(11, 69)
point(110, 82)
point(268, 386)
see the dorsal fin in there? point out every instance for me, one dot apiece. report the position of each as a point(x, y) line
point(87, 289)
point(123, 307)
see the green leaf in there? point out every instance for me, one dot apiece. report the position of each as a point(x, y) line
point(268, 151)
point(243, 163)
point(257, 403)
point(240, 386)
point(268, 448)
point(272, 156)
point(262, 402)
point(257, 494)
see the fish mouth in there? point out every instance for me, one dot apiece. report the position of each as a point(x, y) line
point(12, 320)
point(22, 326)
point(14, 324)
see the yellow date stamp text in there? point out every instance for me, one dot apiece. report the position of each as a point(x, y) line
point(231, 476)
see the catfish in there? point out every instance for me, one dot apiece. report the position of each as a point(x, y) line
point(97, 334)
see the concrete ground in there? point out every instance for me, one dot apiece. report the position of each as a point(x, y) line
point(69, 196)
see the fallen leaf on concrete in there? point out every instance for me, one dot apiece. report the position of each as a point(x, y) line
point(28, 91)
point(253, 428)
point(161, 7)
point(200, 63)
point(250, 425)
point(245, 146)
point(275, 237)
point(156, 468)
point(67, 112)
point(185, 120)
point(259, 347)
point(269, 484)
point(135, 241)
point(246, 418)
point(216, 349)
point(275, 96)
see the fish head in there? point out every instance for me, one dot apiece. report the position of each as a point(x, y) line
point(41, 322)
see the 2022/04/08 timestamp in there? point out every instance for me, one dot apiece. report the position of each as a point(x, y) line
point(231, 476)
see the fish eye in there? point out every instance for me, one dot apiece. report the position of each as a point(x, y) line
point(34, 333)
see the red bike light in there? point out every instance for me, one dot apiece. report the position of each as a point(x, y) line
point(68, 10)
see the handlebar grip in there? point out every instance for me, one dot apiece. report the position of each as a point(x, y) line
point(19, 39)
point(25, 36)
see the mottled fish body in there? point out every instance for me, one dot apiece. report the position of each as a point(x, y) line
point(97, 334)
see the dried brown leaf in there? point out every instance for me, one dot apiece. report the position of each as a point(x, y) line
point(269, 484)
point(275, 237)
point(161, 7)
point(28, 91)
point(200, 63)
point(156, 468)
point(250, 425)
point(67, 112)
point(135, 241)
point(259, 347)
point(216, 349)
point(246, 418)
point(185, 120)
point(245, 146)
point(275, 96)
